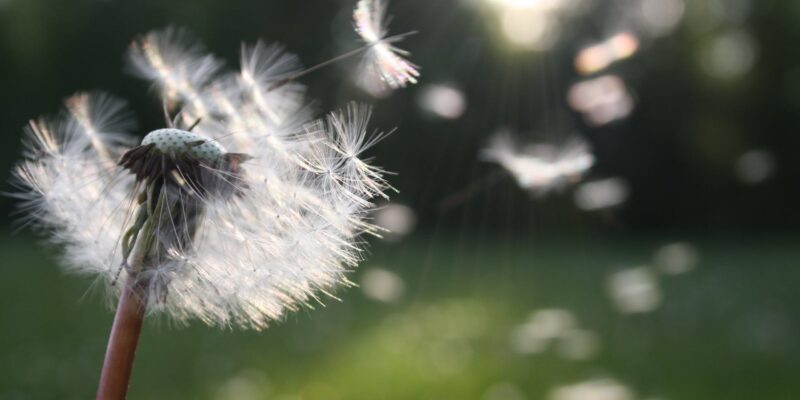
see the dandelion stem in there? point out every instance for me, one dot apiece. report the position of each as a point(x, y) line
point(124, 338)
point(122, 342)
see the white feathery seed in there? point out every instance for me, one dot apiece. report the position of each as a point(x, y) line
point(541, 168)
point(287, 233)
point(383, 60)
point(68, 183)
point(176, 63)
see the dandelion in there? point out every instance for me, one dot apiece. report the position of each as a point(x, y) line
point(240, 210)
point(383, 59)
point(541, 169)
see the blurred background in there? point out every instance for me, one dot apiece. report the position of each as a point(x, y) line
point(666, 271)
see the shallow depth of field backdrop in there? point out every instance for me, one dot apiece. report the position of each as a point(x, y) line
point(676, 280)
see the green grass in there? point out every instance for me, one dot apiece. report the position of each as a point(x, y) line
point(728, 330)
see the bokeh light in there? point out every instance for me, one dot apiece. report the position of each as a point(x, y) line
point(755, 166)
point(598, 389)
point(442, 100)
point(676, 258)
point(597, 57)
point(730, 55)
point(601, 194)
point(534, 24)
point(601, 100)
point(661, 17)
point(382, 285)
point(397, 220)
point(634, 290)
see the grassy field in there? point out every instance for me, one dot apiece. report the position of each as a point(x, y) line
point(730, 329)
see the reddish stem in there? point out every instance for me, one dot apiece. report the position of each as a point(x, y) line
point(122, 341)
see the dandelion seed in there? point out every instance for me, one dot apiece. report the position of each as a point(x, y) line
point(176, 64)
point(383, 60)
point(541, 169)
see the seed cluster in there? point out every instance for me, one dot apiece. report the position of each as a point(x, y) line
point(181, 142)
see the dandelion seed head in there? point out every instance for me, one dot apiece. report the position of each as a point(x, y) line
point(254, 208)
point(178, 141)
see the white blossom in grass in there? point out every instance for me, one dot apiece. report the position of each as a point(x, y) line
point(240, 210)
point(383, 60)
point(540, 169)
